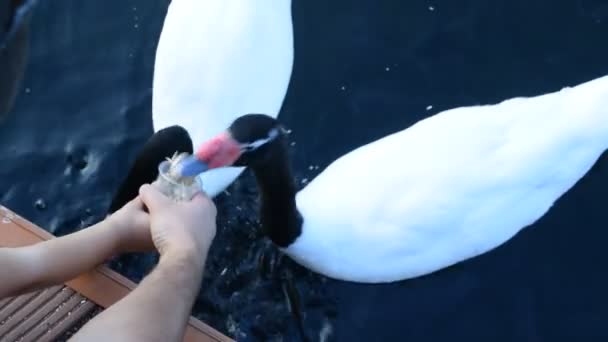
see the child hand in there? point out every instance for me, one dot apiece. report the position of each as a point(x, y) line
point(132, 226)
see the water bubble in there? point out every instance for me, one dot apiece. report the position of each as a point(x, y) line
point(40, 204)
point(431, 8)
point(326, 331)
point(429, 107)
point(28, 90)
point(232, 326)
point(387, 69)
point(293, 143)
point(343, 88)
point(305, 180)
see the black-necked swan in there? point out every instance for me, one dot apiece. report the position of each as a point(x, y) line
point(450, 187)
point(215, 60)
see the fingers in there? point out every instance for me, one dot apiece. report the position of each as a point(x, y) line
point(135, 203)
point(200, 197)
point(152, 198)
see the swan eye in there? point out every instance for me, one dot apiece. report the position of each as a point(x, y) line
point(252, 146)
point(247, 148)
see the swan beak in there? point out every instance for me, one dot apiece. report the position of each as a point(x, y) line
point(191, 166)
point(219, 151)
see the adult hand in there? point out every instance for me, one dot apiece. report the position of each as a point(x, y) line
point(180, 228)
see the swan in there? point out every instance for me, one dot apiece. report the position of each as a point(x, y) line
point(215, 59)
point(449, 188)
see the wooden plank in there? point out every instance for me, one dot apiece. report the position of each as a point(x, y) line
point(11, 309)
point(5, 301)
point(38, 317)
point(35, 311)
point(17, 317)
point(46, 328)
point(83, 308)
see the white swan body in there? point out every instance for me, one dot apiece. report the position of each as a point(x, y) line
point(450, 187)
point(217, 60)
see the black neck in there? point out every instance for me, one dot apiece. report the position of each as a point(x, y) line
point(161, 145)
point(279, 215)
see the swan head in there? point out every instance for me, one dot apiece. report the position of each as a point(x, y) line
point(249, 141)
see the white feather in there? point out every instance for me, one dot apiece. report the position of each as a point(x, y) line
point(450, 187)
point(217, 60)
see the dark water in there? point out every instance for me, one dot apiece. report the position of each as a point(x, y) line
point(363, 69)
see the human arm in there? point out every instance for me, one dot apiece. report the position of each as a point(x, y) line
point(61, 259)
point(159, 308)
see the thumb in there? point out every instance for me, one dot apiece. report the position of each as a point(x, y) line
point(200, 198)
point(152, 198)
